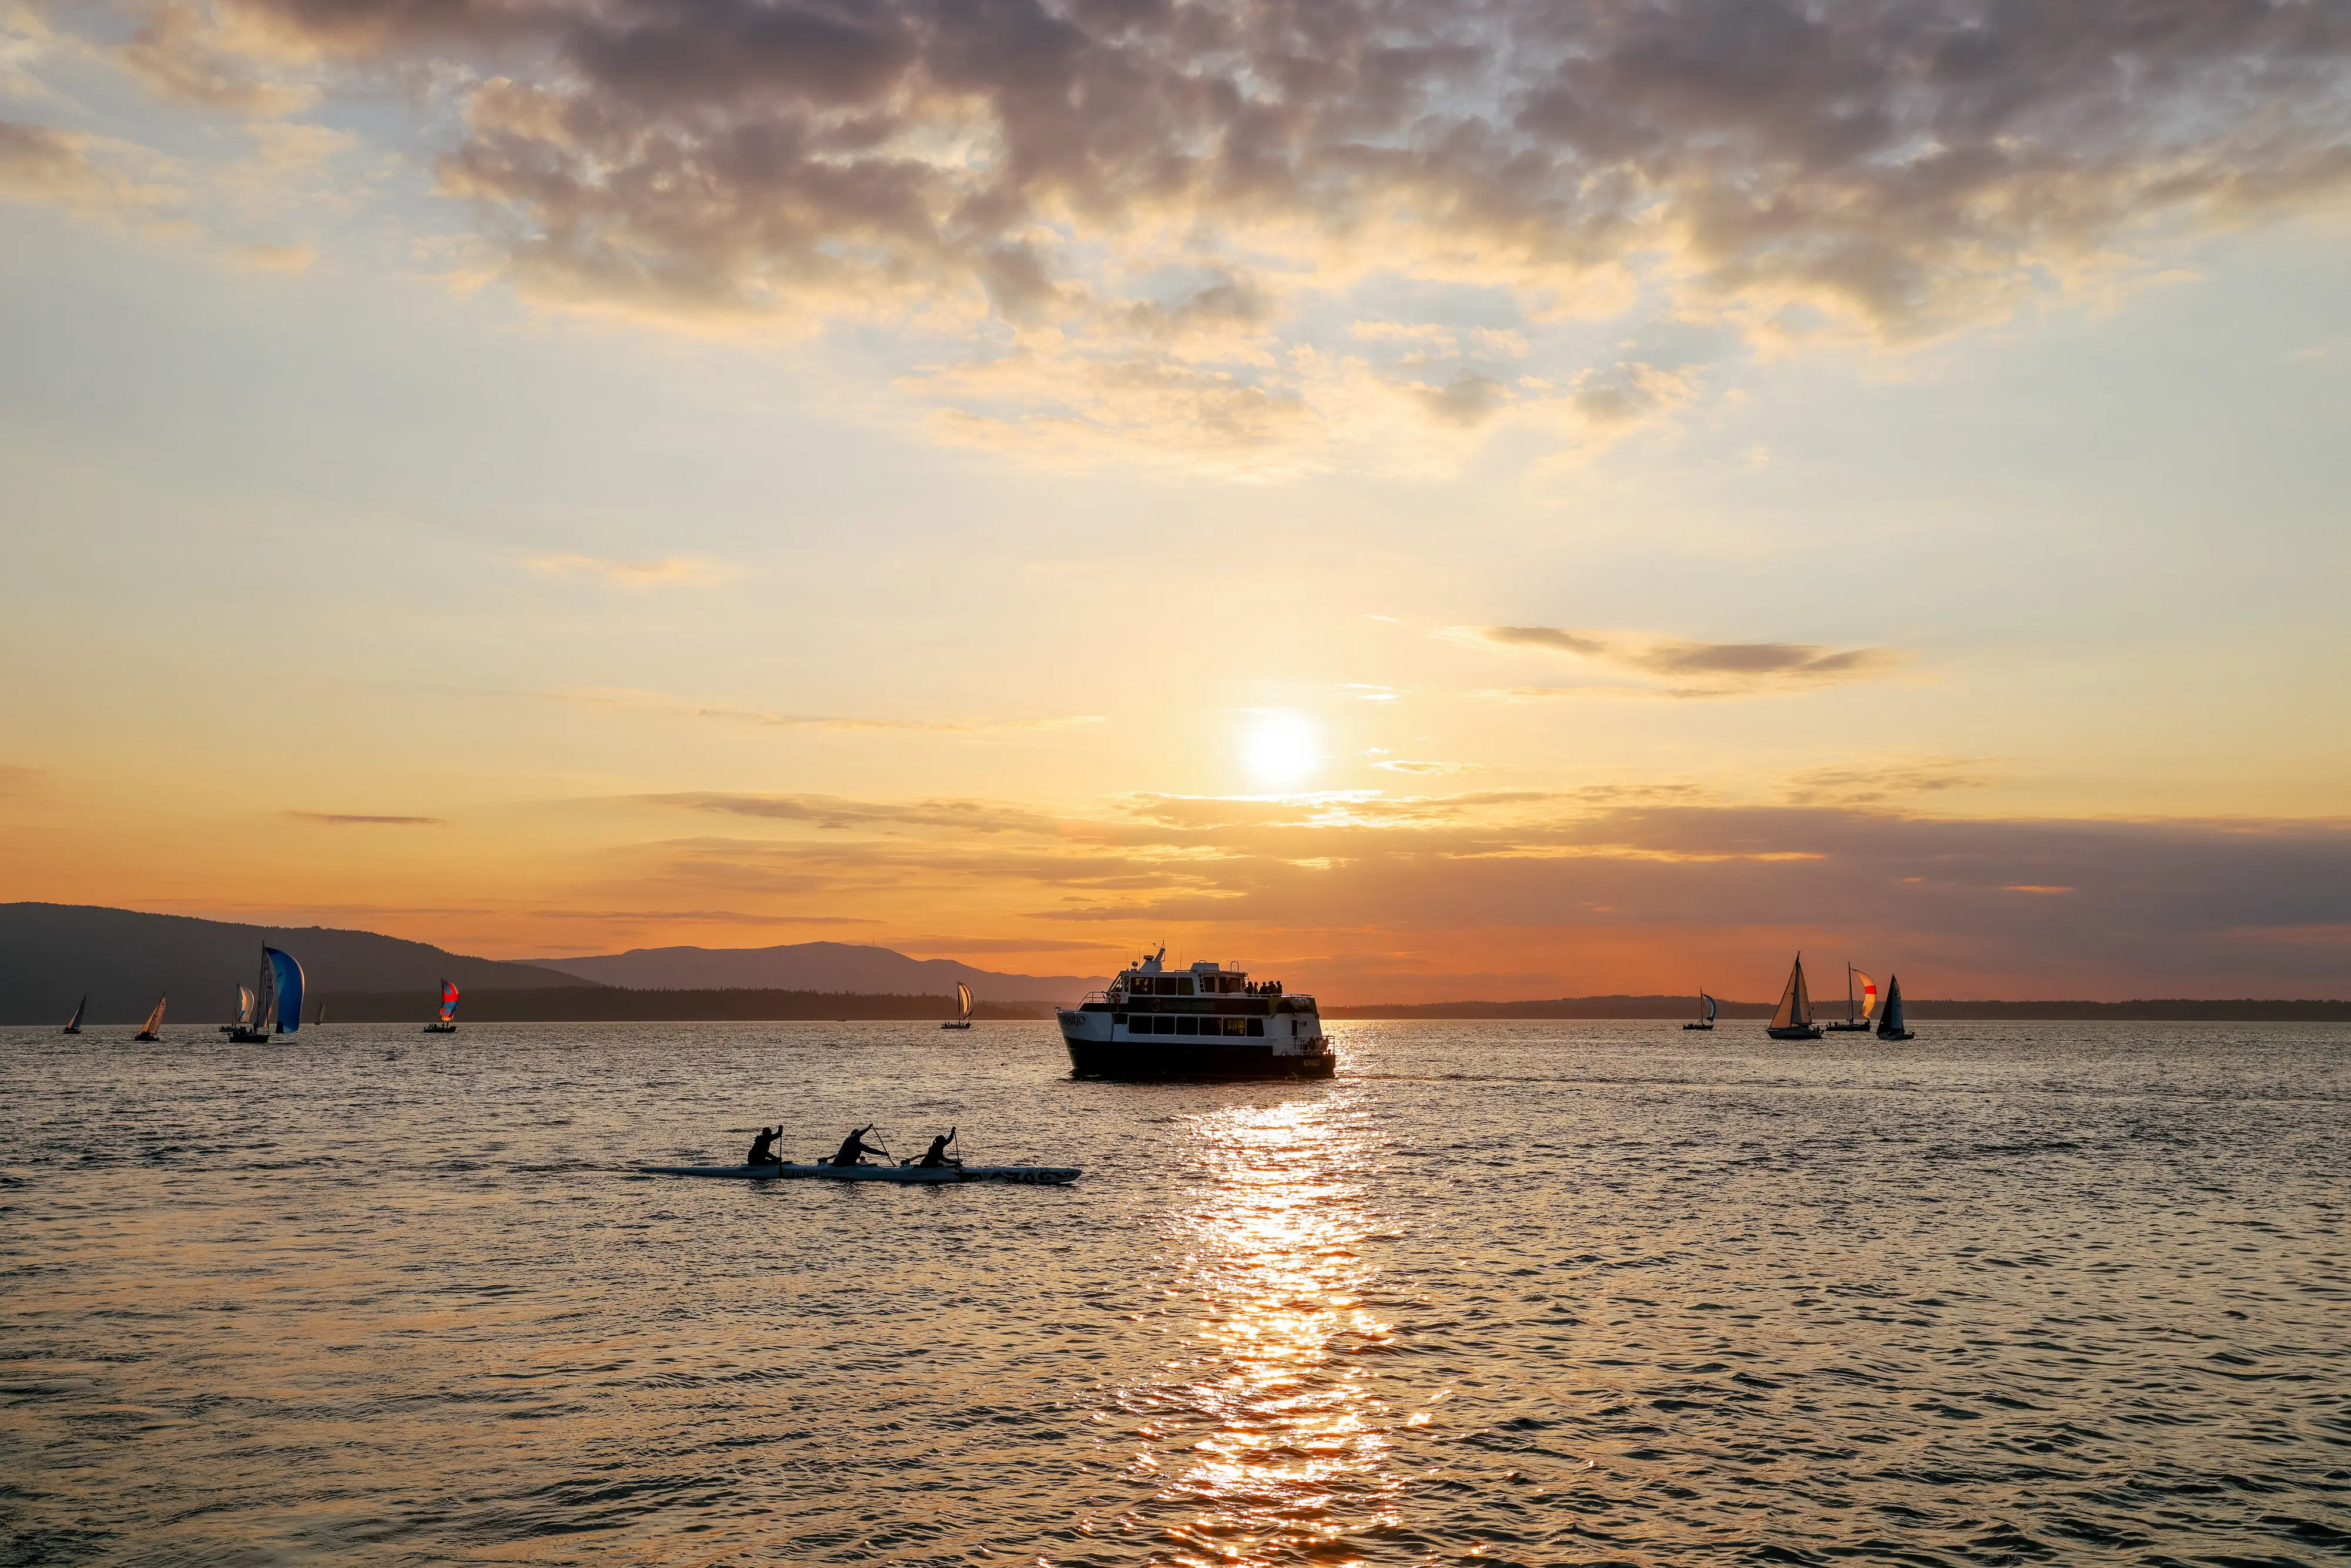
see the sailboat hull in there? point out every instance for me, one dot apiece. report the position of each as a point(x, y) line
point(1795, 1031)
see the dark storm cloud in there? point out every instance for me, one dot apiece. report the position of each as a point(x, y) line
point(1909, 163)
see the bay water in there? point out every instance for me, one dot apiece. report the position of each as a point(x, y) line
point(1563, 1293)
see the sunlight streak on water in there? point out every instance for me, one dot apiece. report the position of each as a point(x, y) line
point(1284, 1430)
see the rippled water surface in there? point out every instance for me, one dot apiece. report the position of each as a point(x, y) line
point(1532, 1293)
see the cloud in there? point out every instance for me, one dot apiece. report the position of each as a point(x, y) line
point(358, 819)
point(836, 812)
point(1121, 222)
point(1694, 669)
point(658, 702)
point(274, 258)
point(37, 164)
point(996, 945)
point(678, 569)
point(1408, 765)
point(19, 783)
point(1868, 784)
point(701, 918)
point(183, 55)
point(1574, 882)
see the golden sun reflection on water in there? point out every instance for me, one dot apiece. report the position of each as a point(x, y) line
point(1269, 1431)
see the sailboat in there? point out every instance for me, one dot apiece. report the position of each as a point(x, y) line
point(1793, 1019)
point(153, 1028)
point(963, 1001)
point(73, 1024)
point(1705, 1010)
point(447, 1022)
point(1889, 1022)
point(277, 1000)
point(1856, 1010)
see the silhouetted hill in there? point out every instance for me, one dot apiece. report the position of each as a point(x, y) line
point(815, 966)
point(51, 954)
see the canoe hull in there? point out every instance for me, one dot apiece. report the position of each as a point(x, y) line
point(910, 1175)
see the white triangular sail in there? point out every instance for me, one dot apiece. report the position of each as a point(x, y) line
point(154, 1020)
point(1796, 1009)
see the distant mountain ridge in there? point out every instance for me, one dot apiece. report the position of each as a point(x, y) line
point(815, 966)
point(52, 954)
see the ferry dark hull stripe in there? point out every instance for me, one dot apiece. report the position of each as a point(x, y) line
point(1143, 1060)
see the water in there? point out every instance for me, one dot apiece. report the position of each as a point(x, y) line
point(1531, 1294)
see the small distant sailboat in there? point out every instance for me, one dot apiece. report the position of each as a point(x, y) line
point(243, 1011)
point(963, 1001)
point(1857, 1007)
point(73, 1024)
point(1889, 1022)
point(1793, 1019)
point(153, 1028)
point(1705, 1011)
point(447, 1022)
point(275, 1000)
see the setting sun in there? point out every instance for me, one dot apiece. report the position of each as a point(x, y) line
point(1280, 750)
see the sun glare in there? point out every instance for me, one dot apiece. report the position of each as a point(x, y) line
point(1280, 750)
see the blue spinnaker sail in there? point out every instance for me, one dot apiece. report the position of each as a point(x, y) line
point(1709, 1006)
point(288, 975)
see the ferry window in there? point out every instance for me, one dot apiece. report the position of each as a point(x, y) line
point(1187, 1026)
point(1257, 1026)
point(1183, 985)
point(1163, 1024)
point(1117, 1019)
point(1236, 1026)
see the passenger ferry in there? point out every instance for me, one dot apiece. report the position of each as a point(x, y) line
point(1207, 1022)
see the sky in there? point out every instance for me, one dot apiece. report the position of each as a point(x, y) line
point(1492, 499)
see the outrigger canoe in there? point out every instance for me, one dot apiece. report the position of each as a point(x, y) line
point(1034, 1175)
